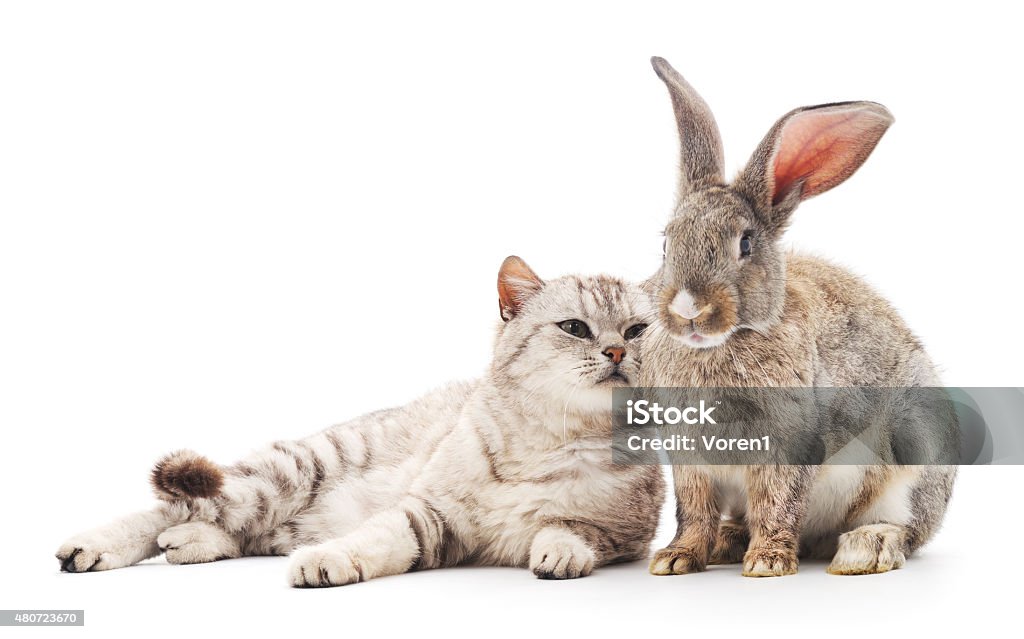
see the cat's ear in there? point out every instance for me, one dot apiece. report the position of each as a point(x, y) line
point(516, 283)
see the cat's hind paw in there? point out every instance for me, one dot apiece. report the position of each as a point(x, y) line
point(84, 554)
point(197, 542)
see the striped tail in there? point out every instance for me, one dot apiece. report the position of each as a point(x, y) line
point(186, 475)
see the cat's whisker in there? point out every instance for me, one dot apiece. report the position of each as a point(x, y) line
point(565, 413)
point(546, 381)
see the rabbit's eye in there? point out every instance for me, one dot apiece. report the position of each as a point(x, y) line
point(745, 245)
point(575, 328)
point(664, 247)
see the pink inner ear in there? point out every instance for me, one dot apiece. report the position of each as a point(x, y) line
point(825, 146)
point(516, 282)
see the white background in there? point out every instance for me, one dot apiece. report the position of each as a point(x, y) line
point(229, 223)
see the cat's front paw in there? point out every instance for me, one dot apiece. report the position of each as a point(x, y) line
point(89, 554)
point(558, 554)
point(769, 562)
point(323, 566)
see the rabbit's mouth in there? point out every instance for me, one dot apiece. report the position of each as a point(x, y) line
point(695, 339)
point(702, 320)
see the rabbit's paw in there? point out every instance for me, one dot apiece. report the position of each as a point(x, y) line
point(196, 543)
point(676, 561)
point(323, 566)
point(868, 550)
point(769, 562)
point(731, 544)
point(559, 554)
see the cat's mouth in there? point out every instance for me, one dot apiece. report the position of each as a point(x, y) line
point(615, 377)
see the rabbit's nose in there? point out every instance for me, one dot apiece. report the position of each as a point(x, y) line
point(685, 306)
point(614, 353)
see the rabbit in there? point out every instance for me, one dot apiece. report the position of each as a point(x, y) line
point(733, 309)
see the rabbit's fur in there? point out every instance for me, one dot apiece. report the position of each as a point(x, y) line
point(726, 318)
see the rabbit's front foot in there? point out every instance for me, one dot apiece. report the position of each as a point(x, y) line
point(766, 561)
point(676, 561)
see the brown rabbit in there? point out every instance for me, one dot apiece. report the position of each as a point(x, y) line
point(734, 310)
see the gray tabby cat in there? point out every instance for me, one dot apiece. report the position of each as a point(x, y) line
point(512, 470)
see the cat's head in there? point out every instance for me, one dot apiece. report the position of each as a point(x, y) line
point(567, 342)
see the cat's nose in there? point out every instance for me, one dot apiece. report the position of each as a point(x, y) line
point(614, 353)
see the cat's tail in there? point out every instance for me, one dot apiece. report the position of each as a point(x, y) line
point(186, 475)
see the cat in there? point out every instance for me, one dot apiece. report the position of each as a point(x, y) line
point(514, 469)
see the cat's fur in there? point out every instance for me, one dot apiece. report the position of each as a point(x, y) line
point(513, 470)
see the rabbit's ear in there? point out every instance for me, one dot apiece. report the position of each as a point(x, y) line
point(516, 283)
point(702, 161)
point(809, 151)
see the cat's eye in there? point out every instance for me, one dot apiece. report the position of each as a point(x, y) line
point(745, 244)
point(634, 331)
point(575, 328)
